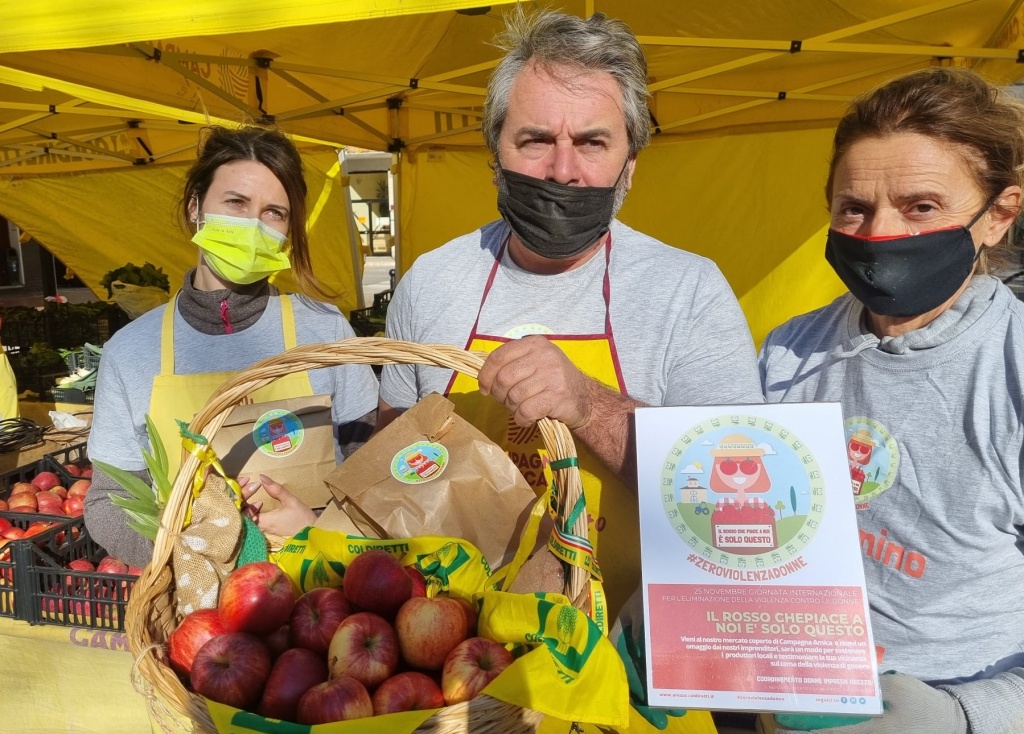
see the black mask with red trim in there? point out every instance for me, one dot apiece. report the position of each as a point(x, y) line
point(904, 275)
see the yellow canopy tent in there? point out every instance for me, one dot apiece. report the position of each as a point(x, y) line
point(744, 97)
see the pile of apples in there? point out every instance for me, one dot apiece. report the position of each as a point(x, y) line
point(378, 645)
point(79, 591)
point(46, 494)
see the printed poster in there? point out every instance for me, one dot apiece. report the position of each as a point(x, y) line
point(753, 581)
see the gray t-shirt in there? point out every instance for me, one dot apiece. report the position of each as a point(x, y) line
point(940, 525)
point(679, 332)
point(131, 359)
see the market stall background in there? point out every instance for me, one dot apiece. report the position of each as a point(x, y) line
point(100, 105)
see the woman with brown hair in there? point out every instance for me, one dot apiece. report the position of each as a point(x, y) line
point(245, 201)
point(926, 355)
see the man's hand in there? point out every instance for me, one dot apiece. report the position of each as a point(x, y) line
point(534, 379)
point(911, 707)
point(288, 519)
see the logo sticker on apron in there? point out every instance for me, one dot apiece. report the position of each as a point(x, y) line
point(421, 462)
point(278, 433)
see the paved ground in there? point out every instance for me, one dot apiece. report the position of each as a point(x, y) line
point(376, 275)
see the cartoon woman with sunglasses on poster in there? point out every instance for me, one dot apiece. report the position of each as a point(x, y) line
point(738, 468)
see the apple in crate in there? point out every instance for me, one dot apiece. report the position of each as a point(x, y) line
point(257, 598)
point(79, 488)
point(109, 564)
point(231, 669)
point(73, 507)
point(471, 666)
point(316, 617)
point(428, 629)
point(364, 647)
point(295, 671)
point(195, 630)
point(409, 691)
point(21, 500)
point(377, 582)
point(339, 699)
point(45, 479)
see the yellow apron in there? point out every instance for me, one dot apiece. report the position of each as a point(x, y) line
point(8, 388)
point(182, 396)
point(611, 506)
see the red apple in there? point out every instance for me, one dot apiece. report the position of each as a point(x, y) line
point(428, 629)
point(45, 480)
point(49, 504)
point(256, 598)
point(339, 699)
point(294, 672)
point(4, 524)
point(409, 691)
point(73, 470)
point(193, 632)
point(87, 471)
point(231, 669)
point(73, 506)
point(3, 505)
point(23, 499)
point(277, 641)
point(12, 533)
point(471, 666)
point(419, 584)
point(364, 647)
point(20, 487)
point(79, 488)
point(36, 528)
point(470, 609)
point(134, 571)
point(376, 582)
point(59, 491)
point(316, 617)
point(109, 564)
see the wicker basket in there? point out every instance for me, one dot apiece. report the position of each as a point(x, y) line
point(151, 613)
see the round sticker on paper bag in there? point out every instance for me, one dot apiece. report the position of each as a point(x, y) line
point(278, 433)
point(421, 462)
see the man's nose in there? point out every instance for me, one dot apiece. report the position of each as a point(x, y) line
point(564, 166)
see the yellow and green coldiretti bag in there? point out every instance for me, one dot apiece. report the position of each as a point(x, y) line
point(565, 666)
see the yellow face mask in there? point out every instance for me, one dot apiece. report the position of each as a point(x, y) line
point(240, 250)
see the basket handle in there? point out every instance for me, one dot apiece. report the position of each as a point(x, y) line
point(361, 350)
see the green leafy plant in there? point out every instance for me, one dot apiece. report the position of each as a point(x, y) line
point(145, 504)
point(132, 274)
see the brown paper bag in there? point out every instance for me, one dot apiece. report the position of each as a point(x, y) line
point(291, 441)
point(432, 473)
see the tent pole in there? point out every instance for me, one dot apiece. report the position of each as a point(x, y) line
point(353, 236)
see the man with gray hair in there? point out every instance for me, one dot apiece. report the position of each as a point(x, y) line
point(583, 317)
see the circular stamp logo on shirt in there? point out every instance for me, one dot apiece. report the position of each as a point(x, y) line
point(278, 433)
point(518, 332)
point(421, 462)
point(743, 491)
point(873, 455)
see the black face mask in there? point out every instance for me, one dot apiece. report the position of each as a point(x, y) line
point(905, 275)
point(552, 219)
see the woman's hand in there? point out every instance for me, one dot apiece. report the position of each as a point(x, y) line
point(288, 519)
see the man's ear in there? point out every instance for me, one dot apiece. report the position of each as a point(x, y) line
point(1000, 219)
point(630, 167)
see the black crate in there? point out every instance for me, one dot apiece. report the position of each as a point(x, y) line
point(22, 474)
point(15, 556)
point(58, 595)
point(76, 454)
